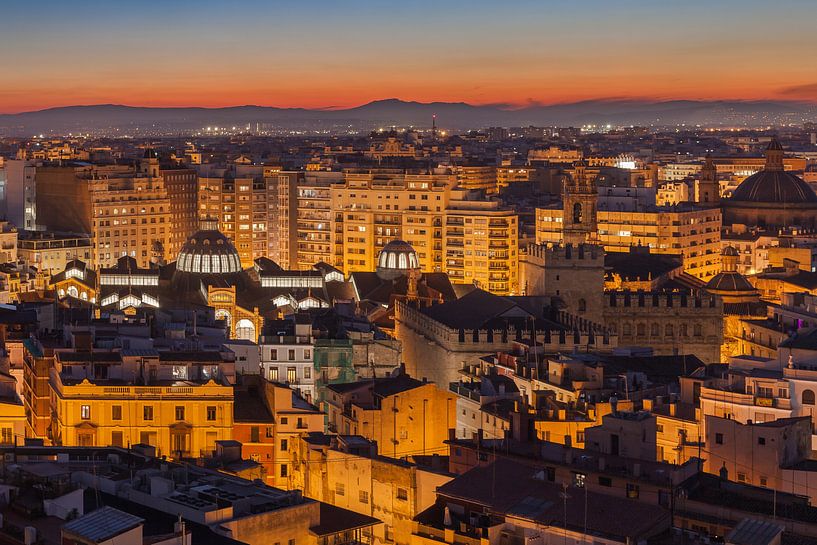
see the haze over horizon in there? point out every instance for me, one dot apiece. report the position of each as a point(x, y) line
point(325, 55)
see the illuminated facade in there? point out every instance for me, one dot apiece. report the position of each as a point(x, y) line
point(183, 408)
point(256, 207)
point(313, 219)
point(371, 208)
point(452, 230)
point(690, 231)
point(50, 252)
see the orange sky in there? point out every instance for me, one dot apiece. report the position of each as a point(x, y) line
point(322, 54)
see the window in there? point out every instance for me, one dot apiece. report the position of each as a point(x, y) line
point(632, 491)
point(273, 374)
point(605, 481)
point(273, 354)
point(807, 397)
point(147, 412)
point(7, 436)
point(211, 413)
point(719, 438)
point(307, 354)
point(340, 489)
point(292, 375)
point(284, 444)
point(284, 420)
point(761, 440)
point(741, 477)
point(254, 434)
point(402, 494)
point(364, 497)
point(307, 373)
point(291, 354)
point(179, 413)
point(116, 412)
point(268, 432)
point(85, 412)
point(116, 439)
point(284, 470)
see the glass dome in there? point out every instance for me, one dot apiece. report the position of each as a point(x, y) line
point(396, 259)
point(208, 252)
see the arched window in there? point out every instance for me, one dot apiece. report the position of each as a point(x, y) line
point(641, 330)
point(654, 330)
point(73, 291)
point(245, 329)
point(627, 329)
point(807, 397)
point(582, 305)
point(577, 212)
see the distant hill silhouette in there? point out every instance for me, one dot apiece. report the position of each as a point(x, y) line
point(455, 115)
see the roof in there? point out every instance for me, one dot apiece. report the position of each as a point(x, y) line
point(754, 532)
point(475, 310)
point(521, 490)
point(730, 281)
point(335, 520)
point(774, 186)
point(103, 524)
point(641, 265)
point(249, 407)
point(804, 340)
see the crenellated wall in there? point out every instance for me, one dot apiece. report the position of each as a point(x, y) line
point(437, 352)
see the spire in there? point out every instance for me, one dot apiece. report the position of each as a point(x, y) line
point(774, 156)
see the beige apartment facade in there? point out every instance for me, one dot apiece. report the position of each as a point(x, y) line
point(690, 231)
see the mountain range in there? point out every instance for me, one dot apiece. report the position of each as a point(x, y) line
point(452, 115)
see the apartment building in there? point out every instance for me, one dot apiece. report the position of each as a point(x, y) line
point(694, 233)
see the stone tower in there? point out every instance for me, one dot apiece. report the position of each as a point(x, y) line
point(709, 191)
point(580, 202)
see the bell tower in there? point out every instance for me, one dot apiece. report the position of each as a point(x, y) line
point(580, 203)
point(709, 191)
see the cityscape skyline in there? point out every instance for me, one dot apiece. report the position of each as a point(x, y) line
point(321, 55)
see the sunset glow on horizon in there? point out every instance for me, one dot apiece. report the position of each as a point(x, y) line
point(327, 55)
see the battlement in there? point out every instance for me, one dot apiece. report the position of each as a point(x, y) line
point(632, 299)
point(553, 254)
point(567, 332)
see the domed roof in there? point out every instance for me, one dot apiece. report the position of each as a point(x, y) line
point(396, 259)
point(208, 252)
point(729, 282)
point(773, 185)
point(729, 251)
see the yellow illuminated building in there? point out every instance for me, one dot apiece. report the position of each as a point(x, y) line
point(403, 415)
point(314, 215)
point(183, 408)
point(372, 208)
point(481, 244)
point(256, 208)
point(689, 231)
point(456, 231)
